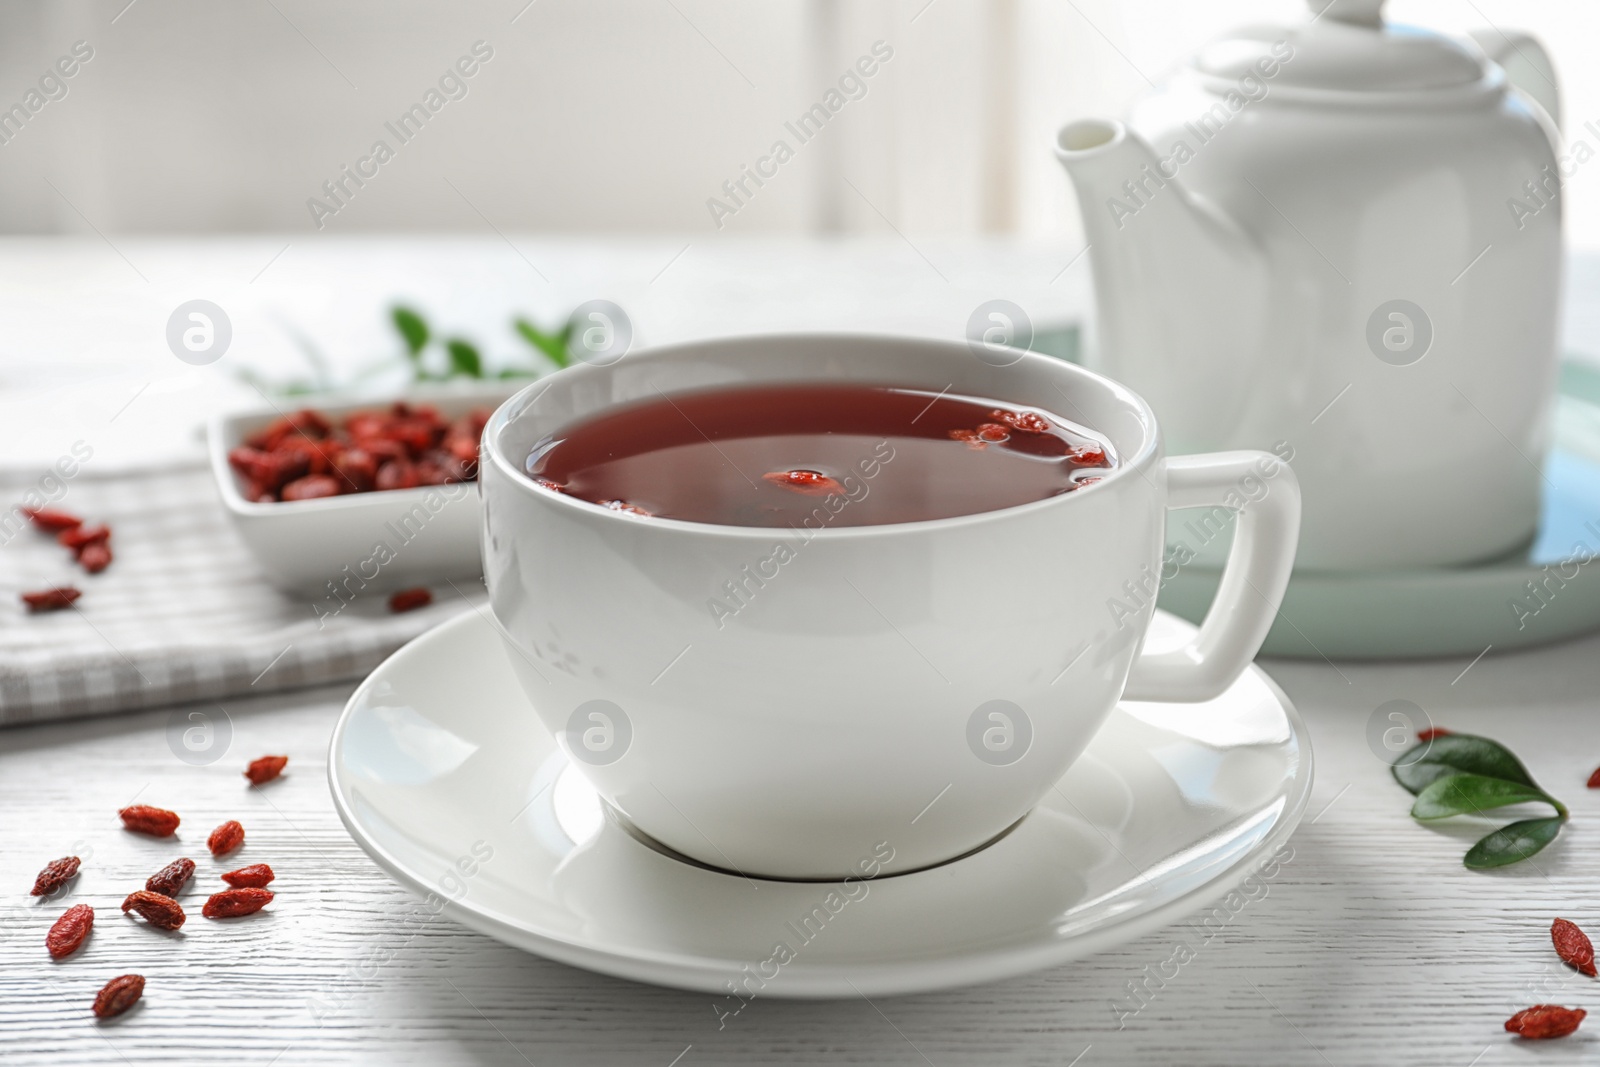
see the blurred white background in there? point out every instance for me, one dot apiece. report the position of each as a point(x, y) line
point(617, 116)
point(574, 163)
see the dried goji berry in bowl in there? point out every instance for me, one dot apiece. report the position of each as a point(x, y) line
point(311, 503)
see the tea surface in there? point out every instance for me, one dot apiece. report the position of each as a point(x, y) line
point(814, 455)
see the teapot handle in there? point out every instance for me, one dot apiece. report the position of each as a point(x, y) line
point(1526, 63)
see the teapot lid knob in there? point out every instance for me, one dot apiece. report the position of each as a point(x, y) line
point(1356, 12)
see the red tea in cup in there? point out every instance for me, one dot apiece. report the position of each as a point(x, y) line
point(786, 455)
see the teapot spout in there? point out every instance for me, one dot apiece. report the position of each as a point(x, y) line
point(1135, 214)
point(1178, 284)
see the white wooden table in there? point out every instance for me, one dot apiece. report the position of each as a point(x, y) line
point(1374, 944)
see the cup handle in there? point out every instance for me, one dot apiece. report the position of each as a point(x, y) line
point(1253, 581)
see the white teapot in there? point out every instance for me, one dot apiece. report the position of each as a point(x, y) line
point(1341, 240)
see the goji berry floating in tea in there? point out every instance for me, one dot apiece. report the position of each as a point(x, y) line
point(812, 483)
point(225, 838)
point(1431, 732)
point(1545, 1020)
point(171, 879)
point(231, 903)
point(252, 877)
point(119, 995)
point(410, 600)
point(69, 931)
point(54, 875)
point(143, 819)
point(55, 599)
point(157, 909)
point(1573, 946)
point(265, 769)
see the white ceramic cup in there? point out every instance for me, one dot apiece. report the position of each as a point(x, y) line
point(909, 690)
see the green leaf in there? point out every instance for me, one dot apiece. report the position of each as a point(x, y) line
point(553, 345)
point(464, 358)
point(1463, 794)
point(412, 328)
point(1457, 754)
point(518, 372)
point(1509, 844)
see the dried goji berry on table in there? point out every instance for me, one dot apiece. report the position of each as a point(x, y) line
point(119, 995)
point(158, 909)
point(1594, 779)
point(171, 879)
point(52, 519)
point(265, 769)
point(95, 557)
point(225, 838)
point(55, 599)
point(1545, 1020)
point(54, 875)
point(1573, 946)
point(69, 931)
point(252, 877)
point(410, 600)
point(144, 819)
point(79, 536)
point(231, 903)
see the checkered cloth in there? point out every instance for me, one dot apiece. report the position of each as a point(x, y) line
point(183, 614)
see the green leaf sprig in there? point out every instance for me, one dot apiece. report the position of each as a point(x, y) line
point(555, 346)
point(422, 357)
point(1462, 774)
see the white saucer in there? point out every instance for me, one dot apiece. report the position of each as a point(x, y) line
point(442, 772)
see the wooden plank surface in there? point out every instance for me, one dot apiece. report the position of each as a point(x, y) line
point(1373, 945)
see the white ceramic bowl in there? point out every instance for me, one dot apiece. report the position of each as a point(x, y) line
point(364, 542)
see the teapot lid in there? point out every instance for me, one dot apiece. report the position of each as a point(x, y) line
point(1345, 46)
